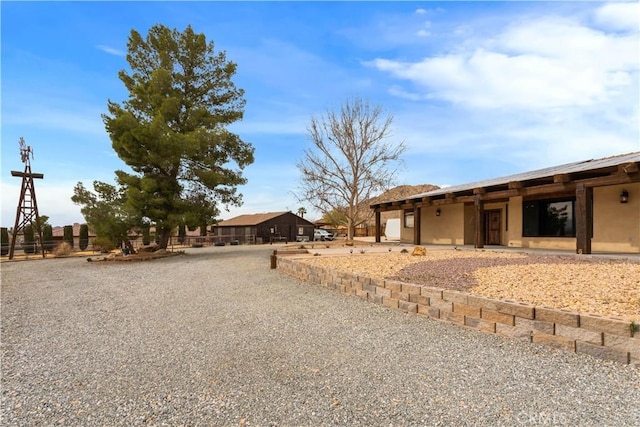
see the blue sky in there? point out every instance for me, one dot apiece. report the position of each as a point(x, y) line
point(478, 90)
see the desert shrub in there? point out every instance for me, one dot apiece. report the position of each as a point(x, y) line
point(63, 249)
point(29, 243)
point(4, 241)
point(83, 242)
point(67, 235)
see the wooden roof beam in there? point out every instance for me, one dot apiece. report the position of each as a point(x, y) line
point(610, 180)
point(515, 185)
point(547, 188)
point(628, 168)
point(502, 194)
point(424, 202)
point(385, 208)
point(561, 178)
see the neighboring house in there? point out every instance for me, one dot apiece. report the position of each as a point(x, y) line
point(58, 234)
point(263, 228)
point(586, 206)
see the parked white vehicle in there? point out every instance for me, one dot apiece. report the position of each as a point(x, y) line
point(392, 229)
point(320, 234)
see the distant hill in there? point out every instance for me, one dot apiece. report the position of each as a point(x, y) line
point(402, 191)
point(396, 193)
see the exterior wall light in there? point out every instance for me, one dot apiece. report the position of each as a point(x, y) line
point(438, 212)
point(624, 196)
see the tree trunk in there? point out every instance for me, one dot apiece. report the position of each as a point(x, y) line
point(165, 234)
point(129, 246)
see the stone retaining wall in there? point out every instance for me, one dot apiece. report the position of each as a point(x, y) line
point(603, 337)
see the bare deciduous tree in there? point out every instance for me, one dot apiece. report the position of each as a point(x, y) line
point(351, 160)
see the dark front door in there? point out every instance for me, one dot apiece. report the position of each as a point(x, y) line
point(492, 227)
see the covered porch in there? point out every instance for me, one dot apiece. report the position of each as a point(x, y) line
point(562, 208)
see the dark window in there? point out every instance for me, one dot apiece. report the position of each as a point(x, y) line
point(408, 219)
point(548, 218)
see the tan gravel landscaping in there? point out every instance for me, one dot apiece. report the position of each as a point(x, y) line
point(590, 285)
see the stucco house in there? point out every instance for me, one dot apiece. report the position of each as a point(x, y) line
point(592, 205)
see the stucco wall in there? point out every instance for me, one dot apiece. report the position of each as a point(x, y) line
point(616, 226)
point(406, 234)
point(514, 238)
point(469, 224)
point(446, 229)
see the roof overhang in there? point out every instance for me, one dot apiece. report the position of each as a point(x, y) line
point(556, 180)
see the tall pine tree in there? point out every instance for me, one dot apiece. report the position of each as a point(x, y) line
point(172, 131)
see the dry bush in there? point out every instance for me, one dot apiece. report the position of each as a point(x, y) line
point(63, 249)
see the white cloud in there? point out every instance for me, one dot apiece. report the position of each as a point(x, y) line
point(539, 64)
point(111, 50)
point(619, 16)
point(400, 92)
point(420, 11)
point(571, 44)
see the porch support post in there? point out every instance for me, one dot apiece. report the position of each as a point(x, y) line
point(584, 218)
point(416, 225)
point(378, 231)
point(479, 220)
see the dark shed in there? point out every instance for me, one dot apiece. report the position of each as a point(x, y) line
point(263, 228)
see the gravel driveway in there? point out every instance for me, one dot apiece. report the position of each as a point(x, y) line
point(215, 337)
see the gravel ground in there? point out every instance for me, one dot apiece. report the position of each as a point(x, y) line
point(215, 337)
point(608, 287)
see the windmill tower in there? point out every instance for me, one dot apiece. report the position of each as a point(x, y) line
point(27, 212)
